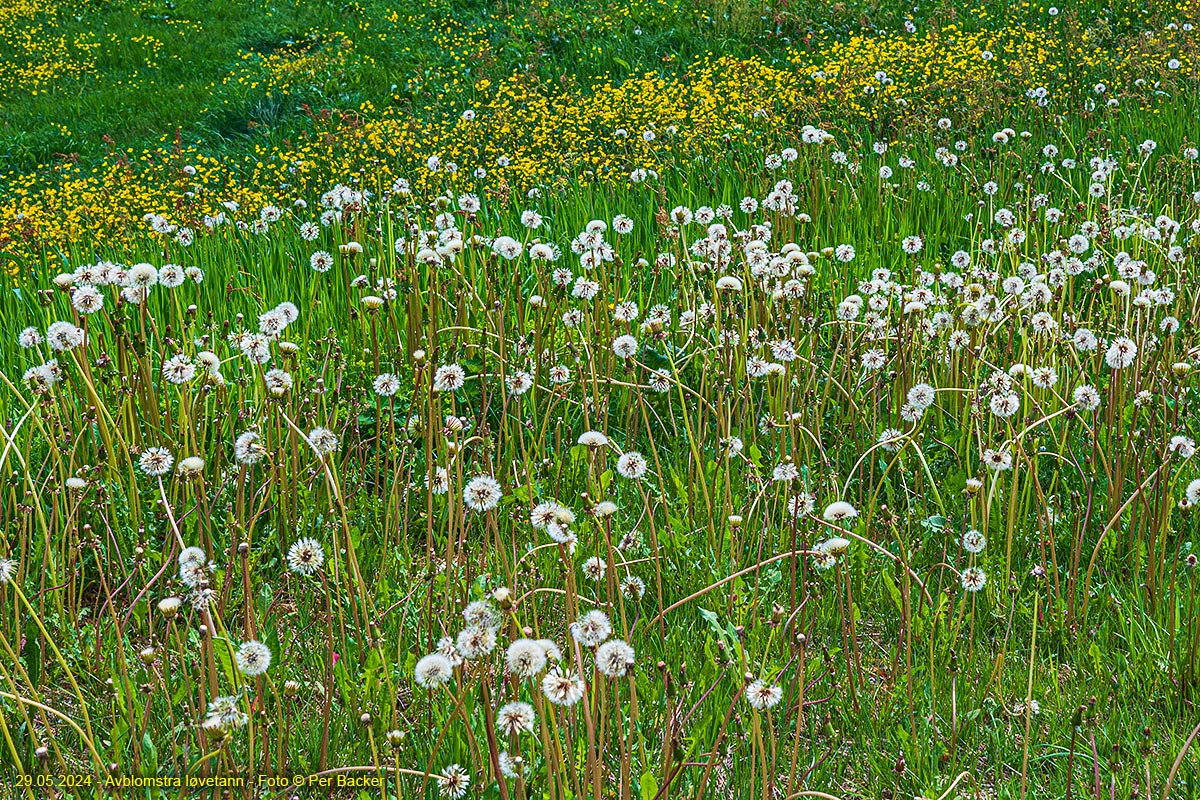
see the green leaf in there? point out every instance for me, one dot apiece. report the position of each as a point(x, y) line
point(149, 756)
point(755, 454)
point(892, 590)
point(711, 618)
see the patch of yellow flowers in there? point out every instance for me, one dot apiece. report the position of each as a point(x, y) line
point(529, 133)
point(34, 54)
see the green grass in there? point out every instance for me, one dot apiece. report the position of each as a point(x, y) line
point(134, 97)
point(903, 685)
point(1121, 653)
point(138, 95)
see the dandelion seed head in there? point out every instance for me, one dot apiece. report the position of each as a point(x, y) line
point(562, 689)
point(591, 629)
point(762, 696)
point(839, 511)
point(525, 658)
point(614, 658)
point(433, 671)
point(156, 461)
point(516, 718)
point(482, 493)
point(453, 782)
point(253, 658)
point(305, 556)
point(973, 579)
point(323, 441)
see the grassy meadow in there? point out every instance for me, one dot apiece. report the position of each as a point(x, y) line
point(570, 400)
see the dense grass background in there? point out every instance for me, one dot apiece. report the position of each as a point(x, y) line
point(95, 78)
point(117, 86)
point(193, 66)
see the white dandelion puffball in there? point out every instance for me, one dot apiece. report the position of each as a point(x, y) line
point(762, 696)
point(482, 493)
point(614, 658)
point(632, 465)
point(839, 510)
point(433, 671)
point(305, 556)
point(516, 718)
point(253, 658)
point(525, 658)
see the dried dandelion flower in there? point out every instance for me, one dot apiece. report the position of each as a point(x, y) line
point(305, 556)
point(253, 658)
